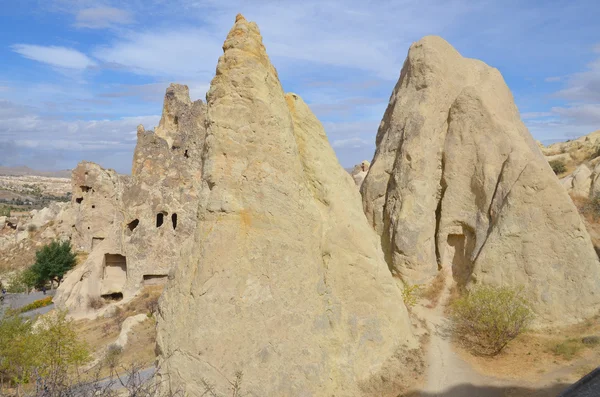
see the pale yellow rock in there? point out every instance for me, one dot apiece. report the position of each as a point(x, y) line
point(285, 280)
point(134, 227)
point(579, 183)
point(457, 181)
point(360, 172)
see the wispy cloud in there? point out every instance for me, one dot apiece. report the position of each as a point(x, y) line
point(60, 57)
point(102, 17)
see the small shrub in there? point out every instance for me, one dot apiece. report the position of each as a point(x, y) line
point(113, 356)
point(435, 289)
point(36, 304)
point(568, 349)
point(591, 207)
point(487, 318)
point(591, 340)
point(409, 294)
point(152, 306)
point(558, 166)
point(31, 228)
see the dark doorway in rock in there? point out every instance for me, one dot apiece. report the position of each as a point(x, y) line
point(133, 224)
point(85, 189)
point(160, 219)
point(186, 155)
point(79, 200)
point(174, 220)
point(460, 258)
point(93, 206)
point(115, 296)
point(155, 279)
point(96, 241)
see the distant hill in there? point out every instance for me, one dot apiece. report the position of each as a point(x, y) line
point(24, 170)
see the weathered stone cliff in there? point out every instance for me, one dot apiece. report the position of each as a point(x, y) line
point(285, 280)
point(458, 181)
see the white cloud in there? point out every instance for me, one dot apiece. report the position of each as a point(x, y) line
point(580, 114)
point(60, 57)
point(535, 115)
point(350, 143)
point(180, 53)
point(584, 86)
point(101, 17)
point(553, 79)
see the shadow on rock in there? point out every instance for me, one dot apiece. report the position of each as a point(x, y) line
point(468, 390)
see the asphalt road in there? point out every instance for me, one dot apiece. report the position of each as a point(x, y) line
point(588, 386)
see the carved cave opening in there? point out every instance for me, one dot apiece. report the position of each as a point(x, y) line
point(458, 256)
point(155, 279)
point(133, 224)
point(96, 241)
point(115, 296)
point(174, 220)
point(79, 200)
point(160, 219)
point(85, 189)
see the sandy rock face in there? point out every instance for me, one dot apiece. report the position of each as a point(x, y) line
point(134, 227)
point(285, 279)
point(458, 181)
point(360, 172)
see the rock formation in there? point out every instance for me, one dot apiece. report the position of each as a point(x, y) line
point(457, 180)
point(285, 280)
point(360, 172)
point(134, 227)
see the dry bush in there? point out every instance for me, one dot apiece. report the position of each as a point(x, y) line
point(568, 349)
point(487, 318)
point(409, 294)
point(435, 289)
point(558, 166)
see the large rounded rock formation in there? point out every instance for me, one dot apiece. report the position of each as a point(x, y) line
point(285, 280)
point(458, 181)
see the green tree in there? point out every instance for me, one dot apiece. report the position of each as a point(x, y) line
point(17, 350)
point(52, 262)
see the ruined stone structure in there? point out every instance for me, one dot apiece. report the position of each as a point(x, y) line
point(285, 280)
point(134, 227)
point(458, 181)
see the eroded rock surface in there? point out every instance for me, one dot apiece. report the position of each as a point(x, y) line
point(134, 227)
point(285, 279)
point(457, 180)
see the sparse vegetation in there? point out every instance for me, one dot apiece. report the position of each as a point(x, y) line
point(591, 207)
point(487, 318)
point(435, 289)
point(46, 353)
point(568, 349)
point(113, 356)
point(558, 166)
point(409, 294)
point(96, 302)
point(5, 210)
point(36, 304)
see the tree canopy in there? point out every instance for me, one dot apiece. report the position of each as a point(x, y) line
point(52, 262)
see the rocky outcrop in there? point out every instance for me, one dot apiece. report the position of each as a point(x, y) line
point(285, 280)
point(360, 172)
point(134, 227)
point(457, 181)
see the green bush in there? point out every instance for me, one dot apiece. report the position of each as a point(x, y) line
point(558, 166)
point(487, 318)
point(36, 304)
point(4, 211)
point(52, 262)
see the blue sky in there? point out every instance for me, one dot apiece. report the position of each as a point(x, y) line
point(78, 76)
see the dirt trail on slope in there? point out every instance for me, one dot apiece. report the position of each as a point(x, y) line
point(448, 375)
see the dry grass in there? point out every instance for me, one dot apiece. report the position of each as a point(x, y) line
point(433, 291)
point(101, 332)
point(538, 354)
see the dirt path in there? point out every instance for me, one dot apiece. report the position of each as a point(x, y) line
point(448, 375)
